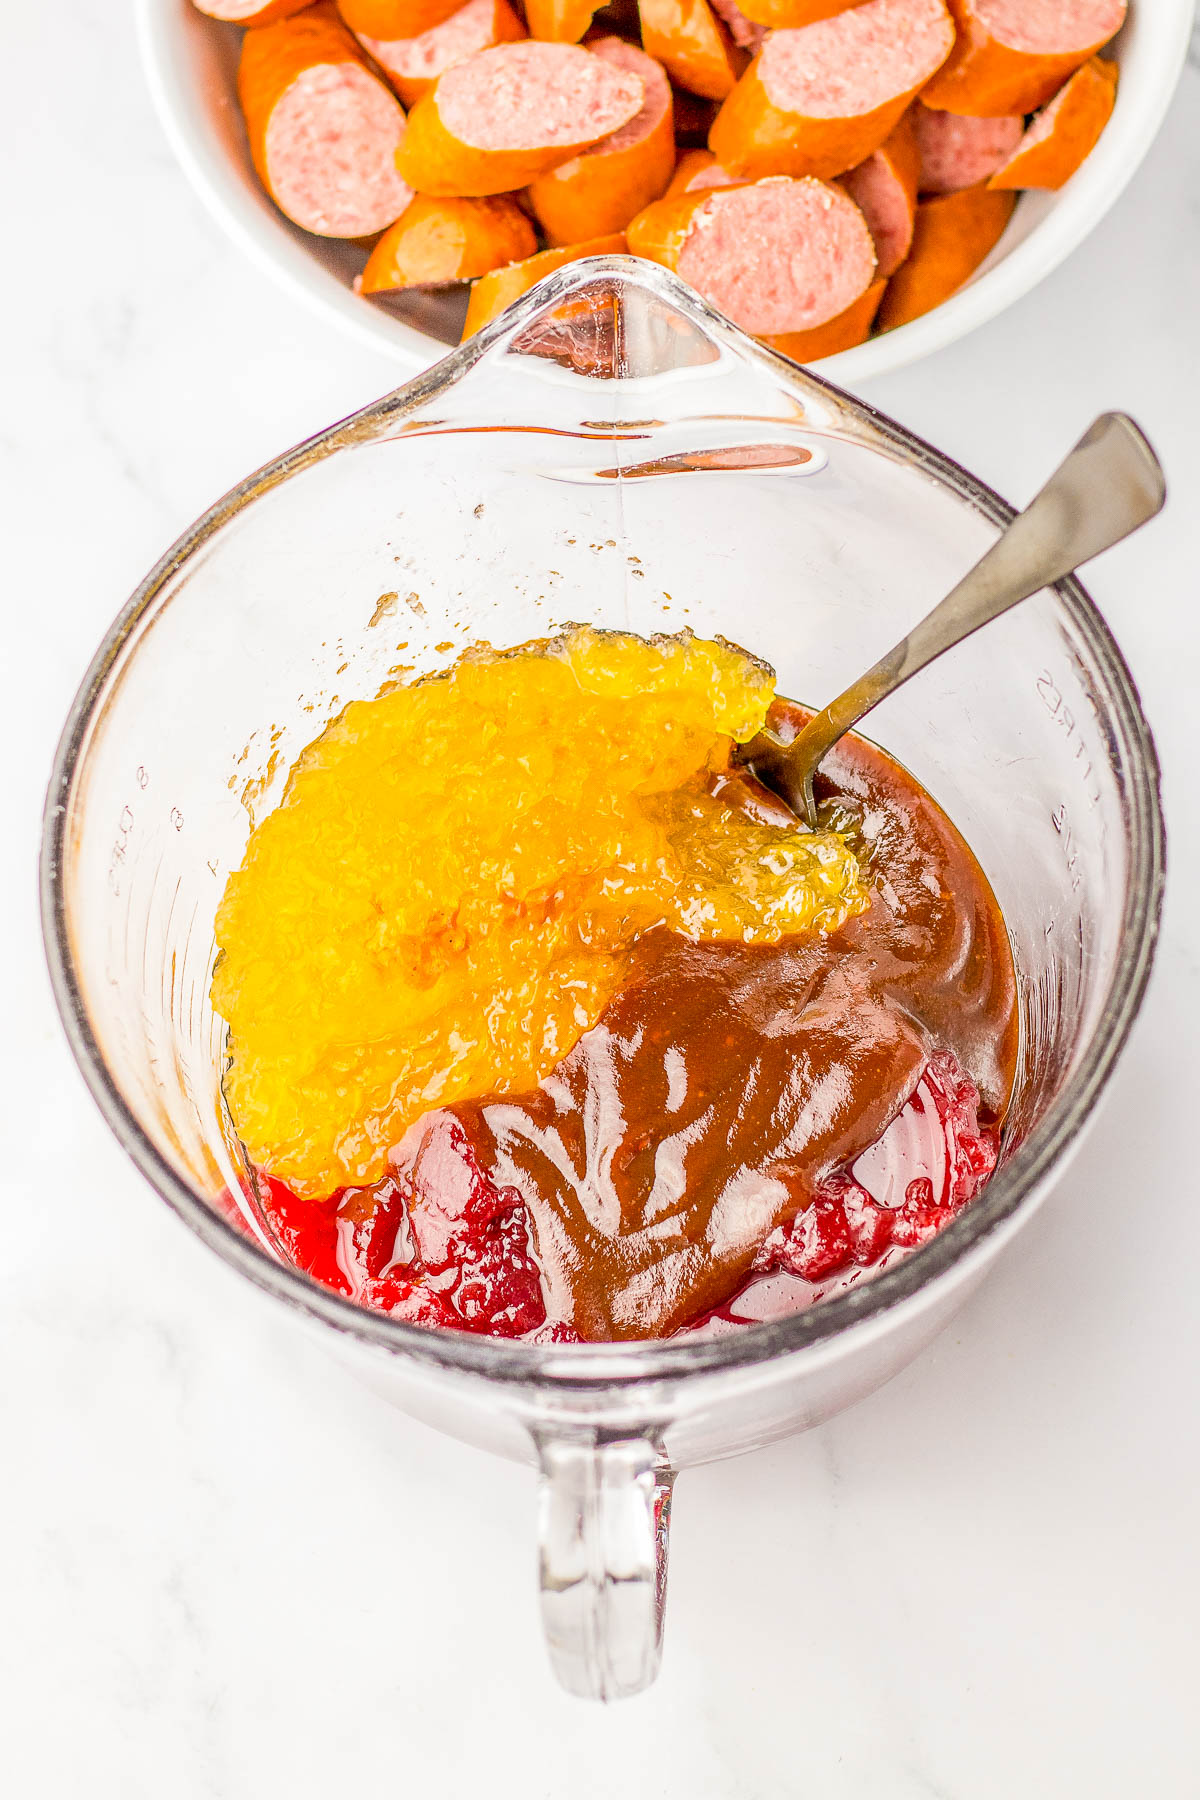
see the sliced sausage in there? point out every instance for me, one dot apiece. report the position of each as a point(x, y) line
point(249, 12)
point(848, 329)
point(388, 20)
point(790, 15)
point(508, 115)
point(746, 34)
point(412, 65)
point(492, 293)
point(659, 232)
point(600, 190)
point(884, 188)
point(1065, 133)
point(953, 234)
point(1013, 55)
point(958, 152)
point(323, 130)
point(775, 256)
point(692, 44)
point(698, 169)
point(438, 241)
point(559, 21)
point(819, 100)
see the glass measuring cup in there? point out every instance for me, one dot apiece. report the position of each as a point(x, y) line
point(614, 452)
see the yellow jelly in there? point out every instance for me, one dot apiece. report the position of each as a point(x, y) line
point(448, 893)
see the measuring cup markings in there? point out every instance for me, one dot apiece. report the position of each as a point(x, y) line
point(1051, 697)
point(120, 849)
point(1061, 824)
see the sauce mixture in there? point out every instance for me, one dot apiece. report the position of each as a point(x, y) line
point(451, 889)
point(586, 1038)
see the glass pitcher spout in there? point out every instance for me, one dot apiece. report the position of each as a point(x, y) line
point(615, 318)
point(620, 321)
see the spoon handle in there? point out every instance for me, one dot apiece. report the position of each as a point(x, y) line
point(1109, 485)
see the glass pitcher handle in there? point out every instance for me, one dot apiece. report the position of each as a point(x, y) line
point(604, 1515)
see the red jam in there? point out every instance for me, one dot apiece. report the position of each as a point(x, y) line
point(444, 1246)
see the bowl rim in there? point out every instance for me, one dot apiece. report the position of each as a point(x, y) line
point(614, 1367)
point(1005, 277)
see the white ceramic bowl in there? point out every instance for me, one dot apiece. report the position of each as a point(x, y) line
point(190, 62)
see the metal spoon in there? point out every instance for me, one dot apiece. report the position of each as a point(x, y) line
point(1108, 486)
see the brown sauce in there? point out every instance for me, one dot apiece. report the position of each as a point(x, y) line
point(725, 1081)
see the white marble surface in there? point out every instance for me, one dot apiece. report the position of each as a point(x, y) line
point(226, 1571)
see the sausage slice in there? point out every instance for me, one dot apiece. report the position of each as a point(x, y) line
point(692, 44)
point(952, 235)
point(323, 130)
point(790, 15)
point(884, 188)
point(850, 328)
point(412, 65)
point(600, 190)
point(957, 152)
point(391, 19)
point(819, 100)
point(438, 241)
point(504, 117)
point(745, 32)
point(1065, 133)
point(559, 21)
point(698, 169)
point(1013, 55)
point(775, 256)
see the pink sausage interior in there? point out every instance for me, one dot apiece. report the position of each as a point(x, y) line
point(843, 67)
point(1043, 125)
point(534, 96)
point(744, 32)
point(1050, 27)
point(779, 256)
point(620, 55)
point(714, 176)
point(331, 152)
point(883, 202)
point(426, 57)
point(958, 152)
